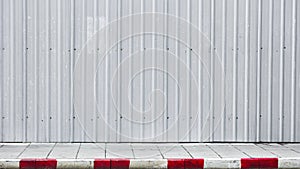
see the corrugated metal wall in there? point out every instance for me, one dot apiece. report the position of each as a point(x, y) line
point(149, 70)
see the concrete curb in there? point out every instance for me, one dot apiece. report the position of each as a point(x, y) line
point(287, 163)
point(9, 163)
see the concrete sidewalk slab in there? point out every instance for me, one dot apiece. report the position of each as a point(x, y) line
point(12, 150)
point(91, 150)
point(37, 150)
point(64, 151)
point(139, 155)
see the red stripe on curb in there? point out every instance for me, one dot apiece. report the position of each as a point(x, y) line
point(38, 163)
point(119, 163)
point(185, 163)
point(102, 164)
point(27, 164)
point(175, 163)
point(194, 163)
point(259, 163)
point(45, 163)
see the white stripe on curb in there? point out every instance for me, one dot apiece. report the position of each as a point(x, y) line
point(289, 162)
point(148, 163)
point(9, 163)
point(222, 163)
point(75, 163)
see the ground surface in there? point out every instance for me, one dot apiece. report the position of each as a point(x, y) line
point(146, 155)
point(146, 150)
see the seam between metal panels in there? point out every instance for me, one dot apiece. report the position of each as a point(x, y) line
point(223, 102)
point(119, 46)
point(2, 73)
point(293, 74)
point(59, 53)
point(153, 72)
point(95, 61)
point(247, 55)
point(83, 41)
point(235, 36)
point(200, 115)
point(131, 69)
point(270, 69)
point(142, 64)
point(72, 115)
point(281, 74)
point(49, 74)
point(25, 72)
point(177, 108)
point(48, 71)
point(36, 78)
point(165, 68)
point(107, 67)
point(189, 76)
point(212, 72)
point(258, 71)
point(12, 75)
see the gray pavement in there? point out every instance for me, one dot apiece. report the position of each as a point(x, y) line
point(146, 150)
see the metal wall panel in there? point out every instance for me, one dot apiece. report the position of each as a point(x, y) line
point(149, 70)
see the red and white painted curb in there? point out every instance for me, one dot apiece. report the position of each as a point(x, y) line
point(244, 163)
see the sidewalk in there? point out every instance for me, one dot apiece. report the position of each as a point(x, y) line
point(149, 155)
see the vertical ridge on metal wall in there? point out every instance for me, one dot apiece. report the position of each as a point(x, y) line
point(177, 99)
point(47, 72)
point(200, 109)
point(293, 73)
point(246, 90)
point(212, 72)
point(72, 63)
point(258, 71)
point(153, 84)
point(270, 70)
point(281, 67)
point(223, 81)
point(106, 75)
point(58, 71)
point(24, 69)
point(130, 69)
point(1, 72)
point(142, 64)
point(235, 78)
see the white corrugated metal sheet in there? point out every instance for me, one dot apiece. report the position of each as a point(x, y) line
point(149, 70)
